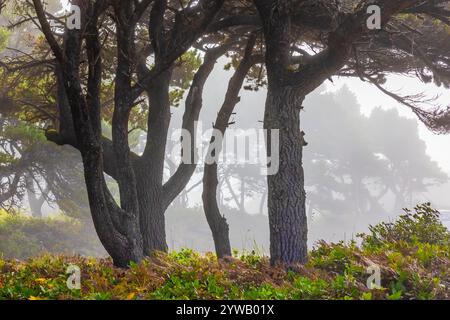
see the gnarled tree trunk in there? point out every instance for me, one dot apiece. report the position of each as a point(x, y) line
point(150, 167)
point(136, 227)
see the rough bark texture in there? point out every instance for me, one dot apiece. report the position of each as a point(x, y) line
point(286, 194)
point(150, 168)
point(286, 201)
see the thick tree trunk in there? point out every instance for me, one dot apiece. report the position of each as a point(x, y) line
point(152, 215)
point(286, 194)
point(117, 229)
point(150, 168)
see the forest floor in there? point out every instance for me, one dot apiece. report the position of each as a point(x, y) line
point(412, 256)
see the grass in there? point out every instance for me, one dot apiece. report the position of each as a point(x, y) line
point(413, 255)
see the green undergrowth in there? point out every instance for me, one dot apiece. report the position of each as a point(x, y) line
point(412, 254)
point(23, 237)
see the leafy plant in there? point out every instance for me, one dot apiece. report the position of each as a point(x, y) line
point(414, 264)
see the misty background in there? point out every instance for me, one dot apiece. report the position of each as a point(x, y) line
point(367, 158)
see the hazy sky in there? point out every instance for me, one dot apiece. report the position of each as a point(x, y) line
point(438, 146)
point(369, 97)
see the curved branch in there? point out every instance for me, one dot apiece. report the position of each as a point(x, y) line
point(194, 103)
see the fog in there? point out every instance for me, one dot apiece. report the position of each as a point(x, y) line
point(367, 158)
point(329, 118)
point(353, 178)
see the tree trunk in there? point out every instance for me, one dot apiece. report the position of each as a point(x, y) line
point(35, 202)
point(152, 215)
point(117, 228)
point(217, 222)
point(150, 168)
point(286, 193)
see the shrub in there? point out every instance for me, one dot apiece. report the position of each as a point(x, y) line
point(22, 237)
point(419, 226)
point(413, 255)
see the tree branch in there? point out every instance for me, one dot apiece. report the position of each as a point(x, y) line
point(46, 29)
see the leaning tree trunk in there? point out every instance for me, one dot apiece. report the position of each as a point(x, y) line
point(286, 193)
point(217, 222)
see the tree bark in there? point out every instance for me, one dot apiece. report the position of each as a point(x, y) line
point(150, 167)
point(117, 228)
point(286, 193)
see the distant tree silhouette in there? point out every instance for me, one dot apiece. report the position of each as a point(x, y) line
point(353, 161)
point(32, 167)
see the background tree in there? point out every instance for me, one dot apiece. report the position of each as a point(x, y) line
point(353, 164)
point(216, 221)
point(38, 171)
